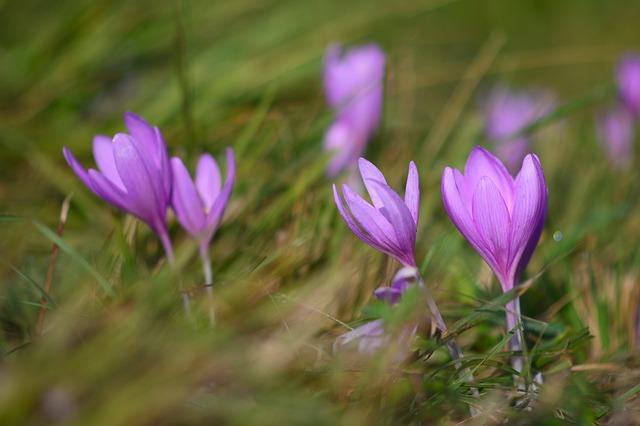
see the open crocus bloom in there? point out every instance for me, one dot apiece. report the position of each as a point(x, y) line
point(200, 205)
point(353, 87)
point(628, 80)
point(390, 224)
point(501, 217)
point(133, 173)
point(507, 112)
point(616, 132)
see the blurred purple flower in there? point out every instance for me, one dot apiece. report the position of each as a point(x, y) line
point(628, 80)
point(403, 279)
point(200, 205)
point(390, 224)
point(133, 174)
point(501, 217)
point(506, 113)
point(373, 336)
point(615, 130)
point(353, 83)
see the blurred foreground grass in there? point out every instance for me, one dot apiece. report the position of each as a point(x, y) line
point(288, 274)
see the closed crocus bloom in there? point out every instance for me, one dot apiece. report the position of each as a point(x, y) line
point(353, 83)
point(132, 174)
point(501, 217)
point(628, 80)
point(616, 132)
point(508, 112)
point(389, 224)
point(199, 205)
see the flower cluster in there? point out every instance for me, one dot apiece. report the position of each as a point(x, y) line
point(134, 174)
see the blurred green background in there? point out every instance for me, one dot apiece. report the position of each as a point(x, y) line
point(247, 74)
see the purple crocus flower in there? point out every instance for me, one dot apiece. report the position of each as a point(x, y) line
point(373, 336)
point(133, 174)
point(615, 130)
point(628, 80)
point(508, 112)
point(501, 217)
point(199, 205)
point(353, 82)
point(390, 224)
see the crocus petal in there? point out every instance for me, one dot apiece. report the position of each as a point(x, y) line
point(457, 210)
point(371, 173)
point(345, 143)
point(208, 180)
point(77, 167)
point(217, 210)
point(492, 221)
point(144, 134)
point(185, 200)
point(482, 163)
point(103, 155)
point(628, 80)
point(142, 189)
point(412, 192)
point(529, 213)
point(372, 222)
point(398, 214)
point(346, 216)
point(108, 191)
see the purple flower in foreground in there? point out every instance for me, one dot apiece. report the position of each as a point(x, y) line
point(628, 80)
point(373, 336)
point(353, 83)
point(501, 217)
point(200, 205)
point(507, 112)
point(133, 174)
point(390, 224)
point(615, 130)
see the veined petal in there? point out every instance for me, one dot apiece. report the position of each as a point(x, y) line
point(412, 192)
point(461, 215)
point(142, 191)
point(373, 222)
point(184, 199)
point(103, 155)
point(371, 173)
point(143, 133)
point(529, 213)
point(492, 221)
point(108, 191)
point(346, 216)
point(208, 180)
point(398, 214)
point(482, 163)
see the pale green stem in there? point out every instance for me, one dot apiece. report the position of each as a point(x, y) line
point(208, 279)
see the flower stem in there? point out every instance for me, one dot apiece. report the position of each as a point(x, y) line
point(454, 350)
point(208, 280)
point(168, 249)
point(516, 343)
